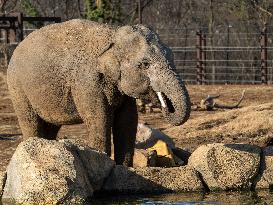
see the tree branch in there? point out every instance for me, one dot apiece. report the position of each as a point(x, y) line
point(261, 8)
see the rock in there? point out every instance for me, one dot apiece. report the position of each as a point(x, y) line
point(265, 179)
point(227, 166)
point(152, 180)
point(144, 158)
point(184, 155)
point(52, 172)
point(159, 155)
point(3, 177)
point(147, 137)
point(165, 156)
point(98, 165)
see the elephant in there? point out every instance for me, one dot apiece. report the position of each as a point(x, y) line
point(81, 71)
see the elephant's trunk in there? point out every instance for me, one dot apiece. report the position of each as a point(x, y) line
point(172, 94)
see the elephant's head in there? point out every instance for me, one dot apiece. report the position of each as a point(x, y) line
point(138, 62)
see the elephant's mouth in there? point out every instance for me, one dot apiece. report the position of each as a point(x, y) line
point(165, 102)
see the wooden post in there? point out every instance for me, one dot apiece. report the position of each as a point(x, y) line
point(12, 32)
point(58, 20)
point(199, 57)
point(20, 27)
point(4, 35)
point(264, 69)
point(16, 28)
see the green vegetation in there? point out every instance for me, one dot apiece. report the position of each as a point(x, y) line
point(29, 9)
point(105, 11)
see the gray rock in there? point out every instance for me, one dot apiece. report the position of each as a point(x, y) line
point(144, 158)
point(265, 179)
point(227, 166)
point(152, 180)
point(98, 165)
point(52, 172)
point(146, 137)
point(184, 155)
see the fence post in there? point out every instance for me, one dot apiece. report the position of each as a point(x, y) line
point(203, 57)
point(20, 26)
point(12, 32)
point(264, 69)
point(199, 57)
point(4, 35)
point(16, 28)
point(58, 20)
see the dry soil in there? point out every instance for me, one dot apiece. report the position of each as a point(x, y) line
point(252, 123)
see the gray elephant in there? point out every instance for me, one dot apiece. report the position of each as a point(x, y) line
point(82, 71)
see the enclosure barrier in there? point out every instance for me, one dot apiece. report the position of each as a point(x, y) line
point(12, 26)
point(201, 59)
point(222, 58)
point(198, 57)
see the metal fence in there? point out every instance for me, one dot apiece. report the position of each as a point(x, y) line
point(201, 57)
point(222, 57)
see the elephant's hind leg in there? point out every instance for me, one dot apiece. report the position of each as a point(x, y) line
point(30, 122)
point(27, 118)
point(124, 132)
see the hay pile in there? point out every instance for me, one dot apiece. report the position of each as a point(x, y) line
point(252, 124)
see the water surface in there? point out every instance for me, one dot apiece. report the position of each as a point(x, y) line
point(229, 198)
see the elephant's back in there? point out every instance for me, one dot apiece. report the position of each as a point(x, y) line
point(74, 35)
point(62, 45)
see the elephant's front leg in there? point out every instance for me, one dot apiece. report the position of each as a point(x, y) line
point(124, 132)
point(95, 113)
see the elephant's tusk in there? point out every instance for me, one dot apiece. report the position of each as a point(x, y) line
point(160, 97)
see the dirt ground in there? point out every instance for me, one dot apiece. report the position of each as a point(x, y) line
point(250, 124)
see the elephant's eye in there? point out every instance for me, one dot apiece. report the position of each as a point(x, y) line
point(144, 64)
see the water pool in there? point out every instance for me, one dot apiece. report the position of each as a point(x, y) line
point(229, 198)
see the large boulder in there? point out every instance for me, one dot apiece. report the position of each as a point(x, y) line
point(52, 172)
point(265, 179)
point(152, 180)
point(227, 166)
point(147, 137)
point(144, 158)
point(97, 164)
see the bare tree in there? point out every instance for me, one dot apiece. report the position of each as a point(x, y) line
point(263, 10)
point(7, 6)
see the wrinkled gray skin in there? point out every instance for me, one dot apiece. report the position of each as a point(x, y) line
point(81, 71)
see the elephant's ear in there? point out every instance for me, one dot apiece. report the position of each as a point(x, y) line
point(109, 64)
point(130, 45)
